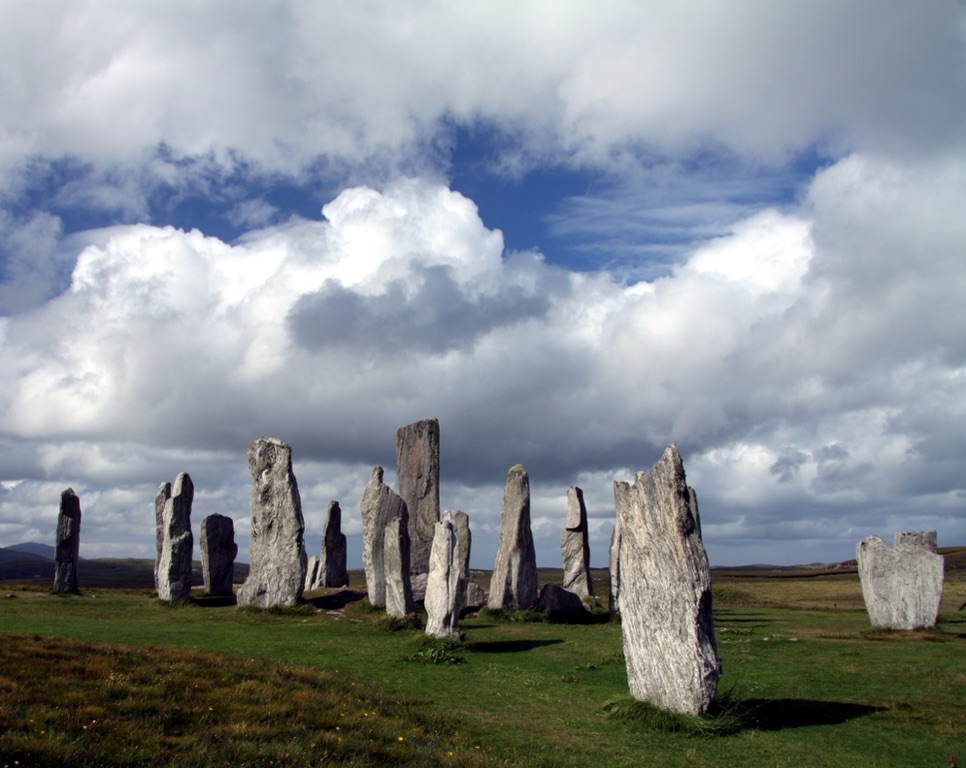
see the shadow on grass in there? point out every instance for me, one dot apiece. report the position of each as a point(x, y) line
point(509, 646)
point(779, 714)
point(336, 601)
point(214, 601)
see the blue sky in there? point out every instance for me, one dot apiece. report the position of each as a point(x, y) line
point(573, 233)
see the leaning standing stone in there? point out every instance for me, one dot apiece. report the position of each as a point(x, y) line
point(276, 575)
point(67, 546)
point(513, 584)
point(160, 499)
point(218, 552)
point(902, 585)
point(417, 474)
point(174, 568)
point(446, 585)
point(614, 568)
point(379, 505)
point(399, 590)
point(332, 565)
point(665, 591)
point(575, 546)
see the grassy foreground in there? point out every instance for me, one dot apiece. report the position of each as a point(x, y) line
point(115, 678)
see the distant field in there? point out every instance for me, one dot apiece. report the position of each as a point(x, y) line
point(209, 684)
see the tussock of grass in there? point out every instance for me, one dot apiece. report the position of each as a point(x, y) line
point(439, 650)
point(398, 624)
point(67, 703)
point(523, 616)
point(725, 717)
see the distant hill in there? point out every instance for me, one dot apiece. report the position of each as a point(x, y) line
point(35, 548)
point(10, 555)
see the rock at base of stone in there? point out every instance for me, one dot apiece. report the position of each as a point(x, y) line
point(575, 546)
point(67, 545)
point(276, 575)
point(177, 549)
point(332, 564)
point(902, 585)
point(399, 591)
point(513, 585)
point(558, 601)
point(218, 552)
point(445, 586)
point(665, 591)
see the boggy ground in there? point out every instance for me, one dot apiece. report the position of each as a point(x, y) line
point(208, 684)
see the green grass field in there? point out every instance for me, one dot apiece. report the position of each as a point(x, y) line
point(113, 677)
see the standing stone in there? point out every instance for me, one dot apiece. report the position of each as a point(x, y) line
point(464, 541)
point(67, 546)
point(665, 590)
point(174, 566)
point(160, 499)
point(379, 505)
point(614, 568)
point(513, 584)
point(312, 573)
point(902, 584)
point(925, 539)
point(218, 552)
point(417, 474)
point(276, 575)
point(575, 546)
point(332, 564)
point(399, 590)
point(446, 587)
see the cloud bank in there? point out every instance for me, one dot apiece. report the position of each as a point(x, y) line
point(802, 342)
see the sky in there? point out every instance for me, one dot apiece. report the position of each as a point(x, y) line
point(573, 232)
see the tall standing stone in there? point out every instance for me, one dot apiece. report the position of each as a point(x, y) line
point(276, 575)
point(67, 546)
point(902, 585)
point(312, 573)
point(218, 552)
point(665, 590)
point(417, 475)
point(399, 590)
point(379, 505)
point(160, 499)
point(446, 586)
point(513, 584)
point(332, 564)
point(174, 565)
point(575, 546)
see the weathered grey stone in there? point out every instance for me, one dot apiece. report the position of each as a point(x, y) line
point(575, 546)
point(417, 475)
point(665, 590)
point(464, 542)
point(67, 545)
point(218, 552)
point(399, 591)
point(556, 600)
point(276, 575)
point(174, 566)
point(379, 505)
point(513, 584)
point(332, 563)
point(924, 539)
point(312, 573)
point(160, 499)
point(614, 568)
point(446, 587)
point(418, 582)
point(474, 597)
point(902, 584)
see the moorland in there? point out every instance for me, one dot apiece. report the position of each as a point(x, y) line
point(114, 677)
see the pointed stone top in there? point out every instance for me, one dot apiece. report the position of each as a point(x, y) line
point(516, 469)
